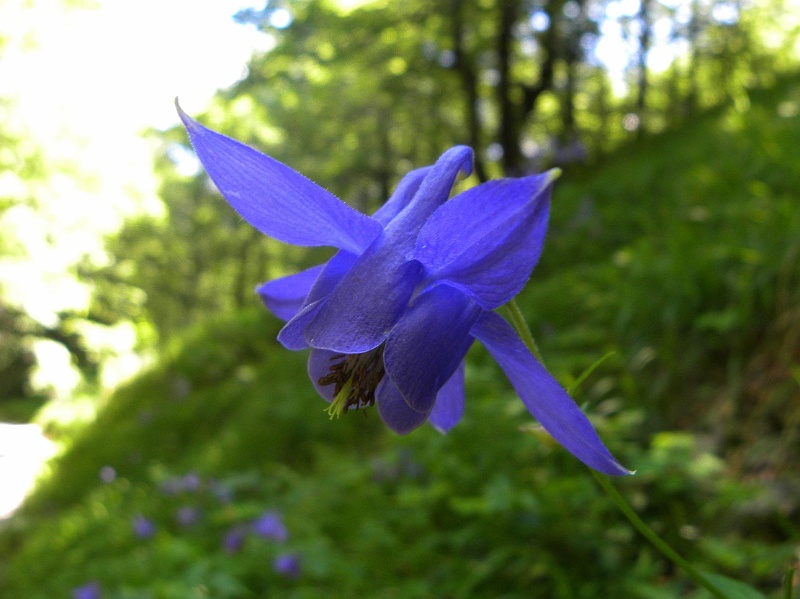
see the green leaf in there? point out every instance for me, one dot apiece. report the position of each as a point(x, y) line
point(733, 589)
point(585, 374)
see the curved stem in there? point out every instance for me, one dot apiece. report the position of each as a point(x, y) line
point(788, 583)
point(518, 321)
point(521, 326)
point(651, 536)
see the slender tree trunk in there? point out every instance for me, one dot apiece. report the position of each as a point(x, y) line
point(645, 41)
point(510, 117)
point(569, 128)
point(694, 58)
point(549, 52)
point(573, 54)
point(469, 85)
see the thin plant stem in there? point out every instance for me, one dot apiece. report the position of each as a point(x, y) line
point(651, 536)
point(521, 326)
point(788, 583)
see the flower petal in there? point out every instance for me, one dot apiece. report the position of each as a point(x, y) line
point(545, 399)
point(335, 269)
point(394, 411)
point(319, 365)
point(275, 199)
point(449, 406)
point(285, 296)
point(402, 195)
point(488, 239)
point(428, 343)
point(361, 309)
point(433, 191)
point(373, 294)
point(292, 336)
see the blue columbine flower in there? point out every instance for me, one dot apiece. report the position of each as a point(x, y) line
point(143, 527)
point(390, 317)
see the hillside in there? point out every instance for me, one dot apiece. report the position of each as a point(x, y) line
point(678, 253)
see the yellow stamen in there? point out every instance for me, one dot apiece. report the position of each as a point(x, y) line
point(339, 404)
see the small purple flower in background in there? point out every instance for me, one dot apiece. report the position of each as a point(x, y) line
point(142, 527)
point(187, 515)
point(411, 467)
point(172, 486)
point(90, 590)
point(384, 470)
point(192, 482)
point(108, 474)
point(233, 541)
point(270, 526)
point(287, 564)
point(181, 387)
point(222, 492)
point(390, 317)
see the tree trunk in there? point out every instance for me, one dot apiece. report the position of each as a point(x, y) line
point(645, 40)
point(469, 85)
point(510, 117)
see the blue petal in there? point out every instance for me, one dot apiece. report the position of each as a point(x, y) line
point(367, 302)
point(428, 343)
point(402, 195)
point(292, 336)
point(319, 365)
point(335, 269)
point(543, 396)
point(275, 199)
point(371, 297)
point(394, 411)
point(433, 191)
point(285, 296)
point(488, 239)
point(449, 406)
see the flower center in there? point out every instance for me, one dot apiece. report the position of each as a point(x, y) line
point(355, 378)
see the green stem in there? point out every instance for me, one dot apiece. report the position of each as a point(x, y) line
point(651, 536)
point(788, 583)
point(521, 326)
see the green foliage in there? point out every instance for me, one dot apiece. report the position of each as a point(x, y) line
point(678, 253)
point(16, 360)
point(485, 511)
point(482, 512)
point(682, 258)
point(353, 100)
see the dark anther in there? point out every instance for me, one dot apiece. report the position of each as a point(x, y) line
point(361, 372)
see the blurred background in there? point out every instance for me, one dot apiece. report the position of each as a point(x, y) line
point(181, 452)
